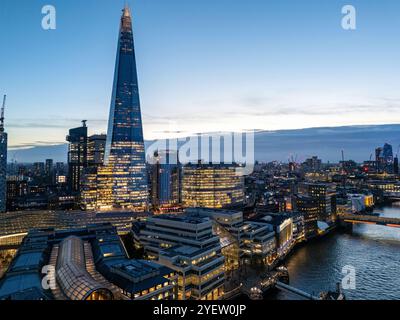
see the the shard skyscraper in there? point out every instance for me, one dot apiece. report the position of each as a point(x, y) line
point(124, 171)
point(3, 161)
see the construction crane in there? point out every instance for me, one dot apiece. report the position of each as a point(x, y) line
point(2, 114)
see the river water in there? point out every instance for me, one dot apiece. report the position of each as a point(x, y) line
point(374, 252)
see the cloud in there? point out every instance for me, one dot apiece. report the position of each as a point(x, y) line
point(50, 123)
point(34, 144)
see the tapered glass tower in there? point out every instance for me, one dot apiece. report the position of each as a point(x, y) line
point(124, 157)
point(3, 161)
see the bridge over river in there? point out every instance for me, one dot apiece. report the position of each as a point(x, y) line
point(370, 219)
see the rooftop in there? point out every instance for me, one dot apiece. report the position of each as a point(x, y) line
point(183, 218)
point(210, 211)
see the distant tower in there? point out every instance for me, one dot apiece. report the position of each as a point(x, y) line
point(387, 153)
point(124, 152)
point(3, 160)
point(165, 179)
point(396, 165)
point(77, 156)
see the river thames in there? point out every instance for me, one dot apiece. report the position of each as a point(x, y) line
point(374, 252)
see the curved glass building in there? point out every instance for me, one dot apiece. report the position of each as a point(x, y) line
point(75, 281)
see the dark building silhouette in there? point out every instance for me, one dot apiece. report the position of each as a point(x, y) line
point(77, 156)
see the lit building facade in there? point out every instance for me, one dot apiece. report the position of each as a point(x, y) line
point(3, 170)
point(298, 226)
point(165, 176)
point(3, 162)
point(187, 245)
point(241, 240)
point(324, 195)
point(212, 186)
point(258, 243)
point(95, 195)
point(89, 263)
point(123, 183)
point(228, 225)
point(282, 225)
point(308, 206)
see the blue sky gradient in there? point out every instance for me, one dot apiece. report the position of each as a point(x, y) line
point(210, 65)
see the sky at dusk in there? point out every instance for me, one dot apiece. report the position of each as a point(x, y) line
point(203, 66)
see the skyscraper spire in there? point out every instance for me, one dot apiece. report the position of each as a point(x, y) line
point(126, 11)
point(126, 20)
point(124, 154)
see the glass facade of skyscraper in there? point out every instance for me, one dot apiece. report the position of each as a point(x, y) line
point(121, 182)
point(3, 171)
point(124, 179)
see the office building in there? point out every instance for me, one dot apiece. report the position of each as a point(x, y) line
point(298, 226)
point(17, 187)
point(396, 165)
point(387, 153)
point(309, 208)
point(187, 245)
point(241, 240)
point(38, 169)
point(282, 225)
point(313, 164)
point(49, 171)
point(228, 225)
point(95, 149)
point(165, 178)
point(324, 195)
point(212, 186)
point(77, 156)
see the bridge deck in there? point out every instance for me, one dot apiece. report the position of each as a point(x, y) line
point(283, 286)
point(355, 218)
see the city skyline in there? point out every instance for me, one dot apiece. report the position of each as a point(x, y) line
point(267, 89)
point(263, 214)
